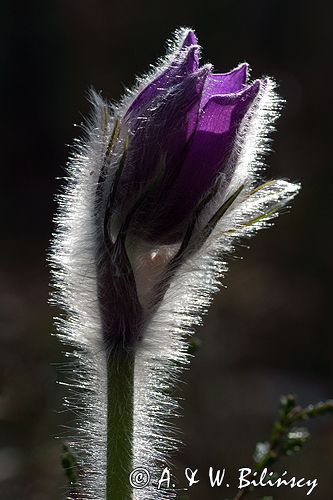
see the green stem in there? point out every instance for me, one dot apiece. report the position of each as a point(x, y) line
point(120, 366)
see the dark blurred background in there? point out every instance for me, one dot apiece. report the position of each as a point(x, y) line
point(269, 332)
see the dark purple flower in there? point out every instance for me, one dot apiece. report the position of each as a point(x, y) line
point(174, 143)
point(182, 128)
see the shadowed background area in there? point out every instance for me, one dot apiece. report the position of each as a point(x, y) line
point(269, 332)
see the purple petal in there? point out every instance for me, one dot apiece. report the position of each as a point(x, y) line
point(184, 63)
point(194, 113)
point(224, 83)
point(209, 151)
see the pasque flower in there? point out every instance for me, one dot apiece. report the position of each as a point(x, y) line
point(158, 193)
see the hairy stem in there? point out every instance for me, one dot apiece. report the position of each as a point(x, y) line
point(120, 367)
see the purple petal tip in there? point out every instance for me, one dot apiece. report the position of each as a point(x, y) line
point(242, 71)
point(247, 94)
point(190, 39)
